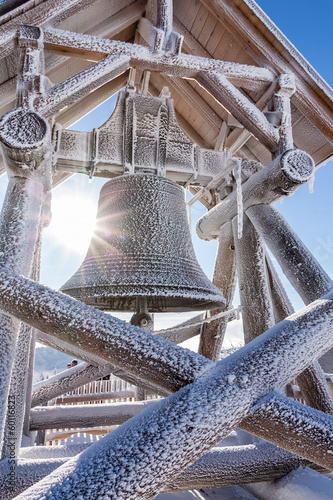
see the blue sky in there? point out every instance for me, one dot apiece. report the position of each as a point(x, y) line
point(307, 24)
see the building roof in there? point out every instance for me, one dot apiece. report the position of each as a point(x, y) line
point(230, 30)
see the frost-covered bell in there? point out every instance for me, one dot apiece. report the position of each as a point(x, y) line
point(142, 248)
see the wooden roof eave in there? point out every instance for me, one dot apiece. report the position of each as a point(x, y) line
point(237, 17)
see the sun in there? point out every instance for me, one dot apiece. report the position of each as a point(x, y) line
point(73, 221)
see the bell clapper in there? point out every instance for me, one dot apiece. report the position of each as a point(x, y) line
point(142, 318)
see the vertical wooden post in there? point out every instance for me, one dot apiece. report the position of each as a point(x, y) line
point(20, 377)
point(224, 277)
point(257, 310)
point(26, 437)
point(19, 227)
point(281, 101)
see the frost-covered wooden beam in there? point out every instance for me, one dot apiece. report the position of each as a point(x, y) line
point(312, 380)
point(293, 425)
point(79, 109)
point(69, 91)
point(78, 416)
point(95, 360)
point(21, 215)
point(67, 381)
point(238, 137)
point(45, 13)
point(30, 72)
point(240, 107)
point(201, 413)
point(82, 374)
point(314, 388)
point(220, 467)
point(146, 58)
point(282, 306)
point(282, 106)
point(224, 277)
point(279, 178)
point(24, 474)
point(301, 268)
point(228, 466)
point(102, 335)
point(257, 310)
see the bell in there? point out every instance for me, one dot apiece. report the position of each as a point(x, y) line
point(141, 249)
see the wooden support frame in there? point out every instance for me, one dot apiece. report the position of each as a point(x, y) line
point(283, 334)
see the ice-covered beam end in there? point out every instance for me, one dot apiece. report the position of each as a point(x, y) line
point(173, 433)
point(279, 178)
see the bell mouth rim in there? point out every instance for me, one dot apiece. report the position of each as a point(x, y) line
point(156, 302)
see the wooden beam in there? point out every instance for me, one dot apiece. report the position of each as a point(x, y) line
point(280, 177)
point(80, 85)
point(257, 311)
point(224, 277)
point(221, 467)
point(67, 381)
point(73, 113)
point(281, 304)
point(312, 382)
point(146, 58)
point(314, 388)
point(291, 423)
point(237, 138)
point(20, 230)
point(93, 415)
point(95, 360)
point(297, 262)
point(240, 107)
point(45, 13)
point(228, 466)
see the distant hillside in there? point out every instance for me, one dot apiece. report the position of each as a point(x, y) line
point(48, 362)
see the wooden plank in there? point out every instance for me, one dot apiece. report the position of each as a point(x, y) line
point(113, 25)
point(192, 98)
point(208, 29)
point(199, 21)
